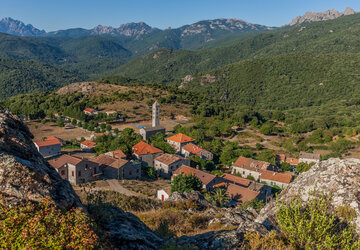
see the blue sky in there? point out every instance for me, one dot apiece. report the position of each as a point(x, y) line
point(62, 14)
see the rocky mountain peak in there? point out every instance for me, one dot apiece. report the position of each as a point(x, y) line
point(321, 16)
point(15, 27)
point(24, 174)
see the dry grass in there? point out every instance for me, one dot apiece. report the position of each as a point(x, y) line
point(147, 188)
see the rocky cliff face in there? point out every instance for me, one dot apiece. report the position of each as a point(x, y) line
point(321, 16)
point(335, 177)
point(134, 30)
point(24, 174)
point(15, 27)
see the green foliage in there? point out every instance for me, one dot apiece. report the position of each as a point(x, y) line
point(255, 203)
point(267, 156)
point(303, 167)
point(340, 146)
point(268, 128)
point(43, 226)
point(250, 177)
point(311, 226)
point(185, 183)
point(159, 141)
point(150, 172)
point(218, 197)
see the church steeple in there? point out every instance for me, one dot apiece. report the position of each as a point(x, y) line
point(156, 114)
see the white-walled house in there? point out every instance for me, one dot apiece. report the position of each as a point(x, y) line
point(48, 147)
point(178, 141)
point(309, 157)
point(272, 178)
point(250, 167)
point(163, 194)
point(166, 164)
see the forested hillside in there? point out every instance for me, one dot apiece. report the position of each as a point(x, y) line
point(333, 36)
point(24, 76)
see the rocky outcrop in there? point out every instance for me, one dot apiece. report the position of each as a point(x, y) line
point(24, 174)
point(338, 178)
point(321, 16)
point(18, 28)
point(193, 196)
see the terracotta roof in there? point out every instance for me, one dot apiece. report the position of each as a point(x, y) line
point(118, 153)
point(204, 177)
point(180, 138)
point(221, 184)
point(192, 148)
point(89, 110)
point(104, 160)
point(281, 157)
point(118, 163)
point(168, 158)
point(237, 179)
point(292, 161)
point(241, 194)
point(47, 143)
point(88, 144)
point(100, 134)
point(62, 160)
point(305, 155)
point(142, 148)
point(275, 176)
point(251, 164)
point(255, 186)
point(55, 138)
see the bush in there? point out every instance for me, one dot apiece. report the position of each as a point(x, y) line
point(312, 226)
point(43, 226)
point(185, 183)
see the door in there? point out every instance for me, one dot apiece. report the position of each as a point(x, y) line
point(162, 197)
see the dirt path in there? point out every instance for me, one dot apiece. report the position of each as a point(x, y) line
point(114, 185)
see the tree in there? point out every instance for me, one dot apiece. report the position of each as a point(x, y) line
point(185, 183)
point(108, 128)
point(43, 121)
point(267, 128)
point(74, 122)
point(60, 122)
point(267, 156)
point(303, 167)
point(220, 197)
point(284, 166)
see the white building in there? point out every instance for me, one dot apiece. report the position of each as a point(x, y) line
point(309, 158)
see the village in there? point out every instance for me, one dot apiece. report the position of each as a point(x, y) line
point(243, 181)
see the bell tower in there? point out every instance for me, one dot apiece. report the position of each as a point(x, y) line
point(156, 114)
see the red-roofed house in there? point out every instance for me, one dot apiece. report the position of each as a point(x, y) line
point(118, 154)
point(208, 180)
point(146, 153)
point(167, 163)
point(61, 141)
point(250, 167)
point(76, 170)
point(163, 194)
point(87, 145)
point(118, 168)
point(90, 111)
point(274, 178)
point(48, 147)
point(292, 161)
point(240, 194)
point(178, 141)
point(193, 149)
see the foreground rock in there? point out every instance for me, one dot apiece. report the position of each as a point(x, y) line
point(335, 177)
point(24, 174)
point(193, 196)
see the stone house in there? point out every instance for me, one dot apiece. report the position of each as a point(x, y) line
point(148, 132)
point(87, 145)
point(117, 168)
point(76, 170)
point(146, 153)
point(193, 149)
point(48, 147)
point(274, 178)
point(309, 157)
point(250, 167)
point(90, 111)
point(61, 141)
point(208, 180)
point(178, 141)
point(118, 154)
point(167, 163)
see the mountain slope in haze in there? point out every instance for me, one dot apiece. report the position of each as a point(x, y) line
point(16, 27)
point(339, 35)
point(321, 16)
point(24, 76)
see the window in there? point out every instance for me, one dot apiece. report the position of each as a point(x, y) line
point(130, 173)
point(137, 170)
point(62, 172)
point(244, 172)
point(79, 173)
point(95, 170)
point(72, 173)
point(86, 166)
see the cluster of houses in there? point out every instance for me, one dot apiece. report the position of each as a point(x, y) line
point(248, 180)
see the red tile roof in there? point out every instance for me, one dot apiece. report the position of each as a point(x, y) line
point(62, 160)
point(118, 163)
point(251, 164)
point(89, 110)
point(168, 158)
point(292, 161)
point(61, 141)
point(180, 138)
point(100, 134)
point(142, 148)
point(204, 177)
point(47, 143)
point(192, 148)
point(88, 144)
point(104, 160)
point(221, 184)
point(275, 176)
point(237, 179)
point(241, 194)
point(281, 157)
point(118, 153)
